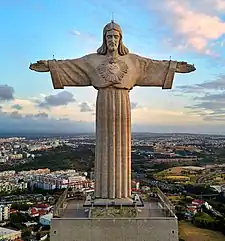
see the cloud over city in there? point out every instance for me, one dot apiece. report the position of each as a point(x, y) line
point(62, 98)
point(214, 85)
point(86, 107)
point(210, 107)
point(17, 107)
point(6, 93)
point(40, 122)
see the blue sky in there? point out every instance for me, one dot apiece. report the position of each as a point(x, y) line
point(190, 31)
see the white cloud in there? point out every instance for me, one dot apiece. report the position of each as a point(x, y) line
point(40, 122)
point(62, 98)
point(69, 119)
point(6, 93)
point(193, 24)
point(75, 32)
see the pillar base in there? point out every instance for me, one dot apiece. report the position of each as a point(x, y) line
point(135, 200)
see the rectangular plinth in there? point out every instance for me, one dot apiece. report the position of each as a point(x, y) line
point(154, 229)
point(153, 222)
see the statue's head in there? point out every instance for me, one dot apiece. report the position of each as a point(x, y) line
point(112, 40)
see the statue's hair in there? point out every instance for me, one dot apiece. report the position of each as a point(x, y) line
point(122, 49)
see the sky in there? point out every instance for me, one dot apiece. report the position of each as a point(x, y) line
point(192, 31)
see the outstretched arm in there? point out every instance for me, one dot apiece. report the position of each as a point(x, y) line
point(40, 66)
point(160, 73)
point(73, 72)
point(181, 67)
point(184, 67)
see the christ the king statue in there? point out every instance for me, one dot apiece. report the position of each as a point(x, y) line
point(113, 71)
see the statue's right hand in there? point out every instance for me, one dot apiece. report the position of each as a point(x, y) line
point(40, 66)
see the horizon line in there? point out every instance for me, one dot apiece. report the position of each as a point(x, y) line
point(30, 133)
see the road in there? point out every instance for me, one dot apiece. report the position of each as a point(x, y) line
point(205, 178)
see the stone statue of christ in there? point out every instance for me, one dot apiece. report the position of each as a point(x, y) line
point(113, 71)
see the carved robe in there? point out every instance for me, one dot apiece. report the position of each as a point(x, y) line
point(113, 80)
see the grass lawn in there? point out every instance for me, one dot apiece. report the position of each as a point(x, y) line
point(178, 177)
point(175, 173)
point(191, 233)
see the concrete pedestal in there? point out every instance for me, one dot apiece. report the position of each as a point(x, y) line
point(124, 229)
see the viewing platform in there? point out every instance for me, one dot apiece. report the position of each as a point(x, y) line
point(153, 221)
point(152, 208)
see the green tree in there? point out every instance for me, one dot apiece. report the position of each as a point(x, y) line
point(16, 218)
point(38, 236)
point(26, 233)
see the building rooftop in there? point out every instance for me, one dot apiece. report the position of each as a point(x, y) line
point(6, 231)
point(152, 208)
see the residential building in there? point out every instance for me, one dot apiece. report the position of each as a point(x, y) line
point(4, 212)
point(8, 234)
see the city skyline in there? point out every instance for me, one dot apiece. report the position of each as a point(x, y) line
point(194, 33)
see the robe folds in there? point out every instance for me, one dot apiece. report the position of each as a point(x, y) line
point(113, 113)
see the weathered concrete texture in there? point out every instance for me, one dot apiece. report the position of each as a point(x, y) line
point(156, 229)
point(113, 71)
point(113, 144)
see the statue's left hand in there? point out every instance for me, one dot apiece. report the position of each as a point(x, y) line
point(40, 66)
point(184, 67)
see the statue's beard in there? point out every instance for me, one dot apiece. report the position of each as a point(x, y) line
point(112, 53)
point(112, 48)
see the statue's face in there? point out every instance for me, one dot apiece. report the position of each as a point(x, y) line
point(112, 40)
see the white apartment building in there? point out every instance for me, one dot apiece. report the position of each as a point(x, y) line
point(7, 173)
point(35, 172)
point(57, 181)
point(7, 186)
point(18, 156)
point(3, 160)
point(4, 212)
